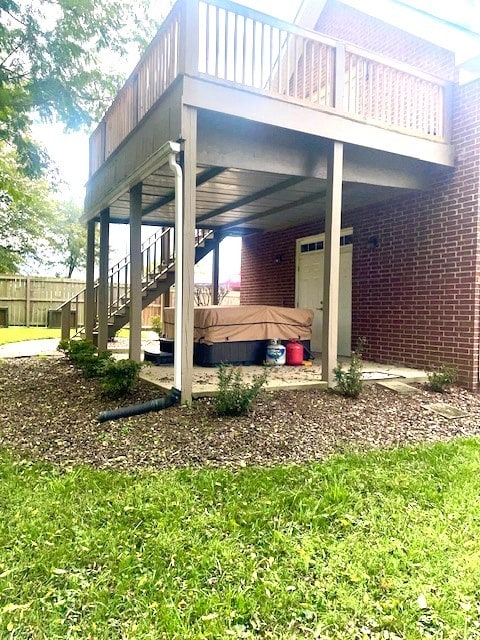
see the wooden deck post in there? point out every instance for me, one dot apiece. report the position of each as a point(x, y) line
point(135, 273)
point(333, 215)
point(90, 311)
point(189, 134)
point(215, 273)
point(65, 320)
point(103, 281)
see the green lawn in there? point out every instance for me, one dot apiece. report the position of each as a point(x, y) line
point(18, 334)
point(377, 546)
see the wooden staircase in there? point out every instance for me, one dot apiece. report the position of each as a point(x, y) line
point(158, 267)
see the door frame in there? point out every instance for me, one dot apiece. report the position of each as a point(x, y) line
point(317, 238)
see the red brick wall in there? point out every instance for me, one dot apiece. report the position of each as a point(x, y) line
point(415, 297)
point(345, 23)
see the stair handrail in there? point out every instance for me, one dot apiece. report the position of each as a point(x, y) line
point(200, 236)
point(118, 274)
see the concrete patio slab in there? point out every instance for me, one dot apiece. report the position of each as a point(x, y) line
point(205, 381)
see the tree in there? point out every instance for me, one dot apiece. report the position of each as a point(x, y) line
point(50, 63)
point(27, 213)
point(70, 238)
point(53, 57)
point(203, 295)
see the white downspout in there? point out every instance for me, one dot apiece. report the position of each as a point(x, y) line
point(178, 334)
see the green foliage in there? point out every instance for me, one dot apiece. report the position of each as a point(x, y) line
point(234, 396)
point(58, 73)
point(53, 68)
point(27, 213)
point(77, 351)
point(356, 547)
point(119, 377)
point(442, 378)
point(157, 325)
point(349, 381)
point(68, 239)
point(84, 355)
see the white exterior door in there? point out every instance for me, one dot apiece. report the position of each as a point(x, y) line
point(309, 287)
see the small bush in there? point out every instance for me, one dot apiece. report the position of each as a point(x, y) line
point(94, 367)
point(84, 355)
point(119, 377)
point(234, 395)
point(157, 325)
point(349, 382)
point(439, 380)
point(78, 351)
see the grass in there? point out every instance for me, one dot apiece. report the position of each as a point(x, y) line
point(384, 545)
point(18, 334)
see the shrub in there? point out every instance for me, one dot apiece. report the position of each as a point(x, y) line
point(116, 378)
point(349, 382)
point(157, 325)
point(78, 351)
point(439, 380)
point(119, 377)
point(83, 354)
point(94, 367)
point(234, 396)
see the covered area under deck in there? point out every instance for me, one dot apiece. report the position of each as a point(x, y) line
point(241, 199)
point(209, 155)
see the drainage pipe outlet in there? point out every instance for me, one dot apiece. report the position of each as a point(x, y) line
point(137, 409)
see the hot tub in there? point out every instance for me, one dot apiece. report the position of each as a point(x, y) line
point(240, 334)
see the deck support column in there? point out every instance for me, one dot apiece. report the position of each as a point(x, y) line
point(102, 311)
point(135, 343)
point(90, 311)
point(333, 216)
point(187, 253)
point(215, 273)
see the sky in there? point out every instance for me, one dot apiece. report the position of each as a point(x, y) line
point(70, 150)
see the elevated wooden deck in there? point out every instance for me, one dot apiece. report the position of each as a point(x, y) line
point(237, 61)
point(267, 98)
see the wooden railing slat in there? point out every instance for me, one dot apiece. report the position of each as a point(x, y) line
point(238, 45)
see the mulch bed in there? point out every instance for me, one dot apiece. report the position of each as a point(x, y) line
point(49, 412)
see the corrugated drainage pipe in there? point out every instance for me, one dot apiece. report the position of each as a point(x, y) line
point(137, 409)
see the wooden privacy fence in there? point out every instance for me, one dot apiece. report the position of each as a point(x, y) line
point(32, 301)
point(28, 299)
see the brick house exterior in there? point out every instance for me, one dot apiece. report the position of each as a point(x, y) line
point(239, 123)
point(415, 271)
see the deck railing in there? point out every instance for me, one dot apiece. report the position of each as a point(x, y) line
point(234, 45)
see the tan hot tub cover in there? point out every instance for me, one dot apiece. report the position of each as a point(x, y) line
point(245, 323)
